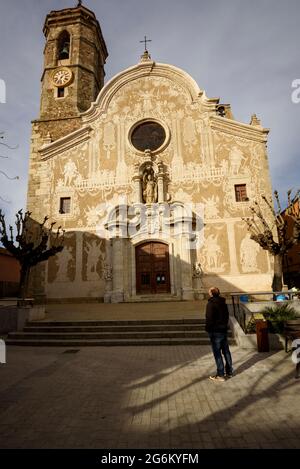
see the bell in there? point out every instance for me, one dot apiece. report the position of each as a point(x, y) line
point(64, 53)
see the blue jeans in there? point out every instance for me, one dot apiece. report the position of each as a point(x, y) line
point(220, 346)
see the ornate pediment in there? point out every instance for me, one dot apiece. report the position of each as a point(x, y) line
point(147, 69)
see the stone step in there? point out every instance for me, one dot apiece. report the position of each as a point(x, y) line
point(98, 323)
point(112, 333)
point(157, 298)
point(106, 335)
point(110, 343)
point(137, 328)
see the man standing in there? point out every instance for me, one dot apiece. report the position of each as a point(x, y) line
point(216, 325)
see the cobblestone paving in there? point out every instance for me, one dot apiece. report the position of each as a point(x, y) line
point(146, 397)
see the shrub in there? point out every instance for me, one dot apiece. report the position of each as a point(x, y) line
point(251, 326)
point(277, 315)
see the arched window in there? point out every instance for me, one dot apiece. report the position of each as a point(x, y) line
point(63, 47)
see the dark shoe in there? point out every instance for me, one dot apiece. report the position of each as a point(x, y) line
point(217, 378)
point(228, 375)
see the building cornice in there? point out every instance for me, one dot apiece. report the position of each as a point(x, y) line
point(239, 129)
point(65, 143)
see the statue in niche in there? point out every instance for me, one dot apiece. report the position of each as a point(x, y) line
point(197, 270)
point(197, 275)
point(149, 186)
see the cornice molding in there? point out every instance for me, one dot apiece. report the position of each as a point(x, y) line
point(65, 143)
point(239, 129)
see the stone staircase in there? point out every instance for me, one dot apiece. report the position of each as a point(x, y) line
point(112, 333)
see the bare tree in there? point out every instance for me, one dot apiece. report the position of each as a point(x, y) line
point(6, 157)
point(272, 233)
point(35, 243)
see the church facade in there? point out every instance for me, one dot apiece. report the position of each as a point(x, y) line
point(149, 177)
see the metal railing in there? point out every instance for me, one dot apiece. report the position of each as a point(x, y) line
point(240, 299)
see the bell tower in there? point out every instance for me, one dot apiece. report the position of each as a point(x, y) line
point(73, 75)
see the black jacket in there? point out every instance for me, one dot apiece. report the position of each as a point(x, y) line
point(217, 315)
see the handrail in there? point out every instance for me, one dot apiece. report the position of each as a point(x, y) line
point(284, 292)
point(239, 312)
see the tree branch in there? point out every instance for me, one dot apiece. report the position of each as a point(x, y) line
point(30, 250)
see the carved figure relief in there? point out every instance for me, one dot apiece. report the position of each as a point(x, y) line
point(109, 139)
point(249, 250)
point(146, 96)
point(94, 154)
point(70, 172)
point(189, 134)
point(63, 261)
point(94, 255)
point(236, 158)
point(224, 164)
point(212, 254)
point(182, 196)
point(93, 214)
point(211, 206)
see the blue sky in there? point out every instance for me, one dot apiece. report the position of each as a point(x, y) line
point(246, 53)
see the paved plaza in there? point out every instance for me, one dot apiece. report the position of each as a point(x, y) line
point(146, 397)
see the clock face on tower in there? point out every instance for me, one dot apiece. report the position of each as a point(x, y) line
point(62, 77)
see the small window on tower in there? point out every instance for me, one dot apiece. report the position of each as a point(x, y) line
point(60, 92)
point(65, 205)
point(241, 193)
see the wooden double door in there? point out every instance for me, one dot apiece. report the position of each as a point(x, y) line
point(152, 268)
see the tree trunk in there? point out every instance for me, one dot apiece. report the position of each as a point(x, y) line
point(24, 281)
point(277, 278)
